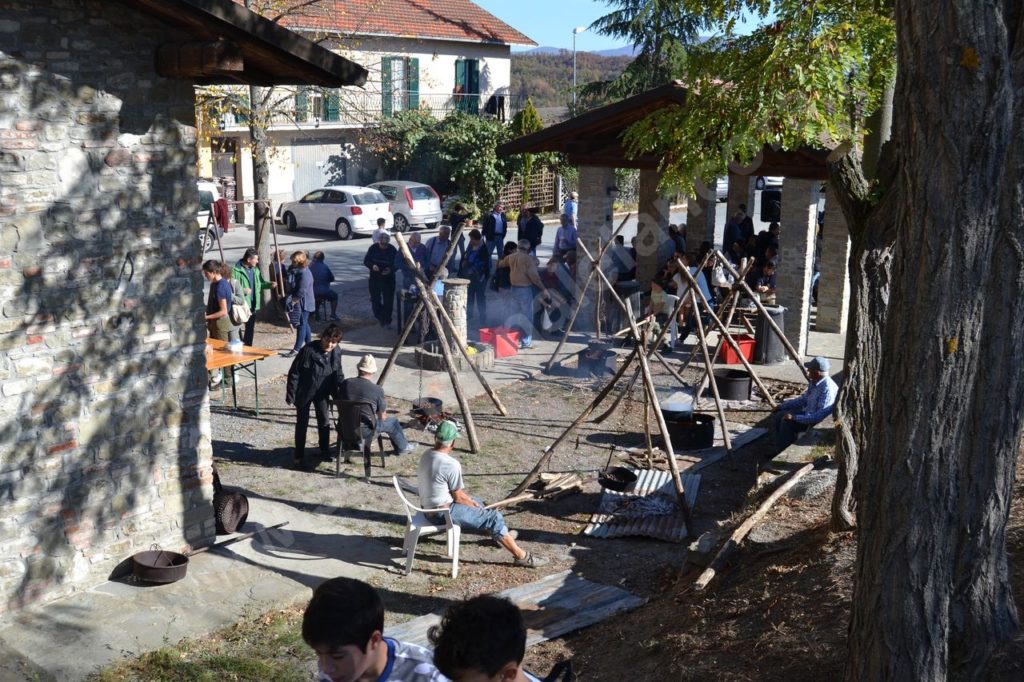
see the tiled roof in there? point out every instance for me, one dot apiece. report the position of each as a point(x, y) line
point(459, 20)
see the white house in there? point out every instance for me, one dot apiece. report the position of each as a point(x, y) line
point(440, 55)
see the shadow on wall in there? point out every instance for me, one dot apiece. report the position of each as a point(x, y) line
point(104, 431)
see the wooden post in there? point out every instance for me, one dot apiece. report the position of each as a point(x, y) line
point(600, 293)
point(424, 283)
point(714, 387)
point(581, 297)
point(724, 330)
point(550, 450)
point(645, 370)
point(768, 318)
point(732, 297)
point(450, 325)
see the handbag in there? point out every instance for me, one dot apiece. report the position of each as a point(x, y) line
point(293, 308)
point(720, 278)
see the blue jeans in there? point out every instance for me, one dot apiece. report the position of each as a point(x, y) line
point(393, 430)
point(785, 431)
point(522, 316)
point(486, 520)
point(303, 335)
point(495, 245)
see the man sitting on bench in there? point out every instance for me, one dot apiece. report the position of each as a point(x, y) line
point(798, 414)
point(364, 389)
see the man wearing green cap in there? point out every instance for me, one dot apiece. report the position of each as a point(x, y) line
point(441, 486)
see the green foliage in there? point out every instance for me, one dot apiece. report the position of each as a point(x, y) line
point(459, 154)
point(395, 140)
point(811, 78)
point(525, 122)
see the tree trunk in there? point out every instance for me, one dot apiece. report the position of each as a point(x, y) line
point(932, 595)
point(871, 226)
point(259, 120)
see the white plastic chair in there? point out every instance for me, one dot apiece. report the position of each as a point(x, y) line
point(673, 324)
point(419, 525)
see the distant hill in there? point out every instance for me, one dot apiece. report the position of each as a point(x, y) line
point(547, 76)
point(627, 51)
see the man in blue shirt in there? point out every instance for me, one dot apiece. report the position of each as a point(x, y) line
point(799, 414)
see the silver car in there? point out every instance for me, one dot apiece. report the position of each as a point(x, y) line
point(412, 203)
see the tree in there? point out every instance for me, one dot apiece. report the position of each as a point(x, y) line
point(461, 152)
point(526, 122)
point(934, 482)
point(396, 139)
point(660, 31)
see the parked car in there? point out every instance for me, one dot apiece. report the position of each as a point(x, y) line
point(412, 203)
point(768, 182)
point(346, 209)
point(722, 189)
point(209, 192)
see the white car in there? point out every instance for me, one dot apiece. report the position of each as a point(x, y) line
point(346, 209)
point(412, 203)
point(768, 182)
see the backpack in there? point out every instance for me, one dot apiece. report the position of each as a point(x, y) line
point(238, 311)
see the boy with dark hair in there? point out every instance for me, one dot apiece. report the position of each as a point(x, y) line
point(344, 623)
point(482, 639)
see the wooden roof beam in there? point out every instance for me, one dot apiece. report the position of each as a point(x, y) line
point(192, 60)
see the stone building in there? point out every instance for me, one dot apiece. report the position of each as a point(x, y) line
point(104, 416)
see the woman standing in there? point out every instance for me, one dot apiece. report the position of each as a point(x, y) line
point(300, 281)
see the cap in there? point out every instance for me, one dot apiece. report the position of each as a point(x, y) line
point(524, 245)
point(447, 432)
point(819, 363)
point(367, 364)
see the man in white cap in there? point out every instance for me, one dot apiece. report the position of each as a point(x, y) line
point(363, 388)
point(798, 414)
point(441, 486)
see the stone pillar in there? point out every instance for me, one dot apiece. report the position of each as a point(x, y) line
point(595, 220)
point(700, 220)
point(834, 265)
point(456, 295)
point(652, 226)
point(796, 253)
point(741, 191)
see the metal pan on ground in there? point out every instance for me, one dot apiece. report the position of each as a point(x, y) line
point(616, 478)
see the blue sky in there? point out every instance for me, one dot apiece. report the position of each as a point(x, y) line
point(550, 22)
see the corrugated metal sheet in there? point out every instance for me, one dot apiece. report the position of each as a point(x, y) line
point(669, 527)
point(552, 606)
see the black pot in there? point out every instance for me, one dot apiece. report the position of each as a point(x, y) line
point(599, 361)
point(692, 432)
point(733, 384)
point(159, 566)
point(428, 407)
point(616, 478)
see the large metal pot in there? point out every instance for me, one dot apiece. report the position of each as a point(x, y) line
point(428, 407)
point(692, 432)
point(616, 478)
point(159, 566)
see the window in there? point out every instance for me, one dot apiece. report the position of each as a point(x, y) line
point(371, 197)
point(399, 84)
point(313, 197)
point(388, 191)
point(467, 85)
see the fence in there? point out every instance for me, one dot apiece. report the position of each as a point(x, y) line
point(542, 184)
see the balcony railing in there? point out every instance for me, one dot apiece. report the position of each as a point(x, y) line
point(356, 109)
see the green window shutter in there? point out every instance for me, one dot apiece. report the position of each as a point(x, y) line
point(333, 106)
point(385, 86)
point(473, 76)
point(413, 79)
point(301, 104)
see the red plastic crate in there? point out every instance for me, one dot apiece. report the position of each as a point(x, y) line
point(746, 344)
point(504, 340)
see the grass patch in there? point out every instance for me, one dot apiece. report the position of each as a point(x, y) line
point(264, 646)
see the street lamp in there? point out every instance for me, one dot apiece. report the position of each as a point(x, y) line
point(575, 31)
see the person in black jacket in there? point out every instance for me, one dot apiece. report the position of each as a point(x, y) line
point(533, 230)
point(380, 259)
point(313, 378)
point(495, 228)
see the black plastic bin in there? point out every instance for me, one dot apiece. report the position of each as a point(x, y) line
point(768, 348)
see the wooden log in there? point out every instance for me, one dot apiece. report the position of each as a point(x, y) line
point(510, 500)
point(549, 451)
point(422, 278)
point(450, 327)
point(703, 341)
point(724, 330)
point(744, 528)
point(581, 298)
point(768, 318)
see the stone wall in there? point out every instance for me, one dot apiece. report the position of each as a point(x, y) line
point(104, 420)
